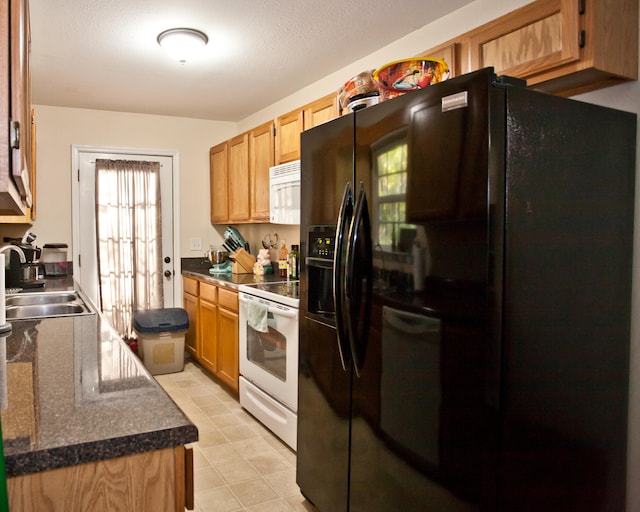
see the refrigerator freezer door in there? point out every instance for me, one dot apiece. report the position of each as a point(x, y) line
point(324, 385)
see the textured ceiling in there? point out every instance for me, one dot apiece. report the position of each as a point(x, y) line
point(102, 54)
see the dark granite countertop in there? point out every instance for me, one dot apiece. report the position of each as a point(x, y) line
point(75, 393)
point(199, 268)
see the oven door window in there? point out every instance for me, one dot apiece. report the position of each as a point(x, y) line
point(268, 350)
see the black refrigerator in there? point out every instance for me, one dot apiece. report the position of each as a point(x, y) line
point(465, 291)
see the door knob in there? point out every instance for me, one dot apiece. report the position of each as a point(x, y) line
point(167, 273)
point(167, 259)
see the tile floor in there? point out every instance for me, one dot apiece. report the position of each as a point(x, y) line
point(239, 465)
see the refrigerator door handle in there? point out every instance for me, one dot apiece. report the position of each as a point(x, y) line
point(344, 221)
point(358, 280)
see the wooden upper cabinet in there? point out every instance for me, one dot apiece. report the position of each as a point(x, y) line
point(561, 46)
point(261, 158)
point(288, 129)
point(21, 96)
point(320, 111)
point(15, 111)
point(290, 126)
point(238, 178)
point(218, 183)
point(448, 52)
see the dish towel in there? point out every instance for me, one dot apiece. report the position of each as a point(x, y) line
point(257, 316)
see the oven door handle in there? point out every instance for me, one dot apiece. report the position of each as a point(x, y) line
point(289, 313)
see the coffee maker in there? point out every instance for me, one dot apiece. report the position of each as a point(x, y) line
point(23, 274)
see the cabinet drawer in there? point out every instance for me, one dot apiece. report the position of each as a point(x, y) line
point(190, 286)
point(208, 292)
point(228, 299)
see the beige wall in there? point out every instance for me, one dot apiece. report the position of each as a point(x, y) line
point(59, 128)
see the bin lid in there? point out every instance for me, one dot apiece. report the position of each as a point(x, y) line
point(160, 320)
point(55, 246)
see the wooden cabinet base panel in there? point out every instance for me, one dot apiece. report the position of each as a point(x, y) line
point(150, 481)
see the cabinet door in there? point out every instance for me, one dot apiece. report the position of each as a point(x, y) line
point(218, 183)
point(11, 203)
point(190, 304)
point(238, 178)
point(261, 157)
point(208, 311)
point(320, 111)
point(536, 38)
point(288, 129)
point(228, 348)
point(191, 289)
point(448, 52)
point(208, 335)
point(21, 96)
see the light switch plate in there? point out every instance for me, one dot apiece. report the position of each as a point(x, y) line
point(195, 244)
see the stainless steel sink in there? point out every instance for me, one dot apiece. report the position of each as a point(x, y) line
point(30, 299)
point(45, 304)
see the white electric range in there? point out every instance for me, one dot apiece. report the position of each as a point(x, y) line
point(269, 355)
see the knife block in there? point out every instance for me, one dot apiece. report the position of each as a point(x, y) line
point(242, 262)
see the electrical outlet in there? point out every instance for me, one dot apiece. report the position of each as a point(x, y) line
point(195, 244)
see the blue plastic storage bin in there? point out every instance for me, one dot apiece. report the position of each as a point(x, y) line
point(161, 338)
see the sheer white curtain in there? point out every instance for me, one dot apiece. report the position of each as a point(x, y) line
point(129, 237)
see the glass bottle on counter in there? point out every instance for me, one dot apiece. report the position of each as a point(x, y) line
point(283, 262)
point(294, 254)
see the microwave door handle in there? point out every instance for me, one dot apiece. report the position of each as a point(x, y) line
point(344, 221)
point(358, 278)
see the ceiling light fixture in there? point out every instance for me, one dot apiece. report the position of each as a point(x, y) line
point(182, 44)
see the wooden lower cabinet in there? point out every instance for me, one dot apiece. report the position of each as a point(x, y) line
point(208, 311)
point(155, 481)
point(228, 335)
point(215, 310)
point(190, 304)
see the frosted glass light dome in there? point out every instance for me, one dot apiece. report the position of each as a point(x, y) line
point(182, 44)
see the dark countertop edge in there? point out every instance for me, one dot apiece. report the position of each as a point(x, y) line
point(199, 269)
point(44, 460)
point(205, 276)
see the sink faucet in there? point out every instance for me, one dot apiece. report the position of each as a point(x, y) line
point(15, 248)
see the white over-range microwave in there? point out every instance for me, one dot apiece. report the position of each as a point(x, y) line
point(284, 193)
